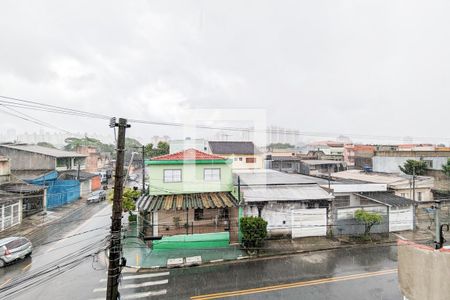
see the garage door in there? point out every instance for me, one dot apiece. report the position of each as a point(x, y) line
point(309, 222)
point(400, 219)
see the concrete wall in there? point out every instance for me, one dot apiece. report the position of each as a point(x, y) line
point(423, 272)
point(239, 161)
point(22, 160)
point(5, 169)
point(346, 224)
point(389, 164)
point(192, 179)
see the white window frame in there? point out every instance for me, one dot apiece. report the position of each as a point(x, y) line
point(211, 177)
point(170, 177)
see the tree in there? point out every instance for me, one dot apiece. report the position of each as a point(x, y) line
point(45, 144)
point(280, 146)
point(411, 167)
point(129, 198)
point(72, 143)
point(446, 168)
point(369, 219)
point(254, 231)
point(150, 151)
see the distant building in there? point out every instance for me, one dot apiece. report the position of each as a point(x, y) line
point(317, 167)
point(244, 155)
point(188, 143)
point(389, 161)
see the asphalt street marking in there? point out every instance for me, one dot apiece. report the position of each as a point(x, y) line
point(136, 285)
point(5, 283)
point(139, 295)
point(26, 267)
point(149, 275)
point(293, 285)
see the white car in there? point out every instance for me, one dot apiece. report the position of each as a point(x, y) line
point(14, 248)
point(97, 196)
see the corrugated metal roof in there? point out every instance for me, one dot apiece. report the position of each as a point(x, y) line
point(43, 150)
point(21, 187)
point(225, 147)
point(184, 201)
point(387, 198)
point(272, 177)
point(285, 193)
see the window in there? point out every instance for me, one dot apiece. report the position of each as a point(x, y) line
point(172, 175)
point(198, 214)
point(419, 196)
point(429, 163)
point(250, 160)
point(211, 174)
point(240, 158)
point(403, 195)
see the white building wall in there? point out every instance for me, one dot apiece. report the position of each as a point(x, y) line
point(390, 164)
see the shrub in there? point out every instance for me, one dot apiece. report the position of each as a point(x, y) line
point(369, 219)
point(254, 231)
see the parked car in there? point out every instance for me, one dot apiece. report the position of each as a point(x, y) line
point(133, 177)
point(97, 196)
point(14, 248)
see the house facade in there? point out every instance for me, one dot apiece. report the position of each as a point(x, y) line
point(389, 161)
point(190, 193)
point(10, 209)
point(5, 169)
point(25, 158)
point(243, 155)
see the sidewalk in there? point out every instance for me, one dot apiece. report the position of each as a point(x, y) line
point(140, 256)
point(33, 223)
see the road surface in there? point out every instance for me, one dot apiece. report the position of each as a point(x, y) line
point(358, 273)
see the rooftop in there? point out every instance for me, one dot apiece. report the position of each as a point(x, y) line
point(321, 162)
point(42, 150)
point(387, 198)
point(225, 147)
point(378, 177)
point(285, 193)
point(273, 177)
point(189, 154)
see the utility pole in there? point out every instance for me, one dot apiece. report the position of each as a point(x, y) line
point(437, 238)
point(143, 169)
point(115, 248)
point(414, 197)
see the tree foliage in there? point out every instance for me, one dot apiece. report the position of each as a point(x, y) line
point(72, 143)
point(129, 198)
point(280, 146)
point(369, 219)
point(446, 168)
point(254, 231)
point(417, 167)
point(161, 149)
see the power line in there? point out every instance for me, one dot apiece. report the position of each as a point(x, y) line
point(35, 105)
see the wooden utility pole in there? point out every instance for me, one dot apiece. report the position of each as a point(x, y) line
point(115, 248)
point(143, 169)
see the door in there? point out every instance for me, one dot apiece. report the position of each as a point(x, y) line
point(309, 222)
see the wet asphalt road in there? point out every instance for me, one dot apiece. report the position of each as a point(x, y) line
point(56, 247)
point(86, 280)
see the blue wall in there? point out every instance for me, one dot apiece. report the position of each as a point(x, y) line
point(59, 192)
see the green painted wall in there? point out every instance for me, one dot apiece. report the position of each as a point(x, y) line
point(194, 241)
point(192, 179)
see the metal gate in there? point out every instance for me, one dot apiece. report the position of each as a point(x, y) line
point(309, 222)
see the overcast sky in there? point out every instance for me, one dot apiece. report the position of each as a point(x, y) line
point(358, 67)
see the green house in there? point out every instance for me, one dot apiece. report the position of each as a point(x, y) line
point(190, 193)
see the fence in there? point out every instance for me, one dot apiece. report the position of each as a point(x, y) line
point(346, 224)
point(61, 192)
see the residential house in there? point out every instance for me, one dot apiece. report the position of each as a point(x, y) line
point(289, 164)
point(244, 155)
point(293, 205)
point(315, 167)
point(33, 196)
point(190, 193)
point(95, 160)
point(358, 156)
point(11, 210)
point(28, 159)
point(5, 169)
point(327, 147)
point(351, 195)
point(89, 182)
point(402, 185)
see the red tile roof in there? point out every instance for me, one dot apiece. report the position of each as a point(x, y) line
point(189, 154)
